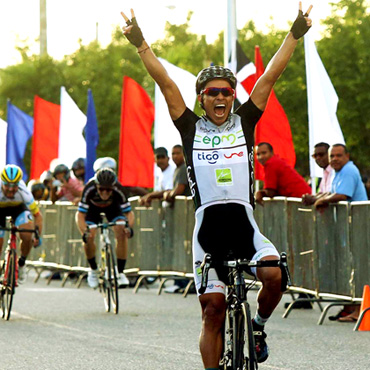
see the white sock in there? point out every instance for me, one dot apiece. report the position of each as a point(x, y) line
point(259, 320)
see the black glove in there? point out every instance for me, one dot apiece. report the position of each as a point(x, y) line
point(300, 27)
point(85, 236)
point(135, 36)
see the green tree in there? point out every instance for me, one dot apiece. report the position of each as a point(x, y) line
point(345, 52)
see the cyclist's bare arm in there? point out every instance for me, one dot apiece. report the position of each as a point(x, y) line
point(38, 223)
point(279, 61)
point(81, 222)
point(130, 217)
point(171, 92)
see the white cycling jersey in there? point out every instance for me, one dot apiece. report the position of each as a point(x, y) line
point(22, 196)
point(220, 158)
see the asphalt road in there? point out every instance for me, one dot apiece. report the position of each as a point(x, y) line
point(67, 328)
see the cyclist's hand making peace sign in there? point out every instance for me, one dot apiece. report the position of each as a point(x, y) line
point(302, 23)
point(132, 30)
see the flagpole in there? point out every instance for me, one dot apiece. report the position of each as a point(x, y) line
point(230, 35)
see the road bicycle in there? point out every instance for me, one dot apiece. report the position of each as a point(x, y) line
point(108, 285)
point(239, 351)
point(9, 269)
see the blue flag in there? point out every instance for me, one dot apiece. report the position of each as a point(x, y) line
point(91, 136)
point(20, 130)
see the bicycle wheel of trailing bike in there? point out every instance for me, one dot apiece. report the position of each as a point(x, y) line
point(249, 347)
point(8, 285)
point(104, 280)
point(112, 276)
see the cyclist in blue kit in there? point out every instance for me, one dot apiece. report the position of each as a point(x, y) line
point(219, 156)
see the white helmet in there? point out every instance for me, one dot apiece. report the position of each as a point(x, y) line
point(105, 162)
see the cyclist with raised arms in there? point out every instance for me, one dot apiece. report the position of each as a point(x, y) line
point(219, 155)
point(17, 201)
point(104, 194)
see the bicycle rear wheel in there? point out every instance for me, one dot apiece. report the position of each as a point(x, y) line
point(250, 348)
point(8, 287)
point(112, 276)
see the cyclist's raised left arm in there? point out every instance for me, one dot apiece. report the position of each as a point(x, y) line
point(279, 61)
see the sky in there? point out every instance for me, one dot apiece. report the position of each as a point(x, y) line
point(71, 20)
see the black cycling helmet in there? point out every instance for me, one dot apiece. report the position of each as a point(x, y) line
point(78, 164)
point(211, 73)
point(105, 177)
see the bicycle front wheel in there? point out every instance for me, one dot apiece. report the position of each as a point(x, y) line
point(8, 285)
point(104, 281)
point(112, 276)
point(250, 347)
point(238, 338)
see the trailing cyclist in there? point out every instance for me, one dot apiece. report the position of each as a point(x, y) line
point(222, 188)
point(16, 201)
point(104, 194)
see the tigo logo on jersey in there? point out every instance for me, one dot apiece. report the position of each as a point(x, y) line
point(211, 158)
point(224, 177)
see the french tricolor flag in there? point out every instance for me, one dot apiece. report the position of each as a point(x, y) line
point(58, 133)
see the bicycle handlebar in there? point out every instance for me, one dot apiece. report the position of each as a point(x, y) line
point(105, 225)
point(238, 263)
point(15, 229)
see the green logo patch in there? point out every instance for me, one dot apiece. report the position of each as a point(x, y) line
point(224, 177)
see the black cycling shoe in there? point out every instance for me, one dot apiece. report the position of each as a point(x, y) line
point(262, 350)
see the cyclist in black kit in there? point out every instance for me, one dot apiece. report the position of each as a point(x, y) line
point(219, 156)
point(104, 194)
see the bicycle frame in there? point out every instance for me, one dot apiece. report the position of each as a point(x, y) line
point(108, 285)
point(10, 275)
point(238, 323)
point(12, 245)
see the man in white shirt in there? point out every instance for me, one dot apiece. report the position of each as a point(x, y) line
point(163, 178)
point(321, 155)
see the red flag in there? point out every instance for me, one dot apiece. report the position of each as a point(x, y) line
point(45, 140)
point(273, 127)
point(136, 157)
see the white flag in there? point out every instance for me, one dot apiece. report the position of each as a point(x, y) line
point(3, 129)
point(322, 104)
point(72, 144)
point(165, 133)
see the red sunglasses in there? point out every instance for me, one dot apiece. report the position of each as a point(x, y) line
point(214, 91)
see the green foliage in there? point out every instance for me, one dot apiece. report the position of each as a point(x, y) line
point(345, 52)
point(344, 49)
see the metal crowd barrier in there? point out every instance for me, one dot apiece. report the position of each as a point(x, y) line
point(328, 253)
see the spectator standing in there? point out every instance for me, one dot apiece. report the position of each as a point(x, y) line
point(69, 189)
point(179, 183)
point(347, 184)
point(78, 169)
point(321, 155)
point(280, 178)
point(164, 177)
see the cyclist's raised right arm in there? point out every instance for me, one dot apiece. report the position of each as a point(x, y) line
point(171, 92)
